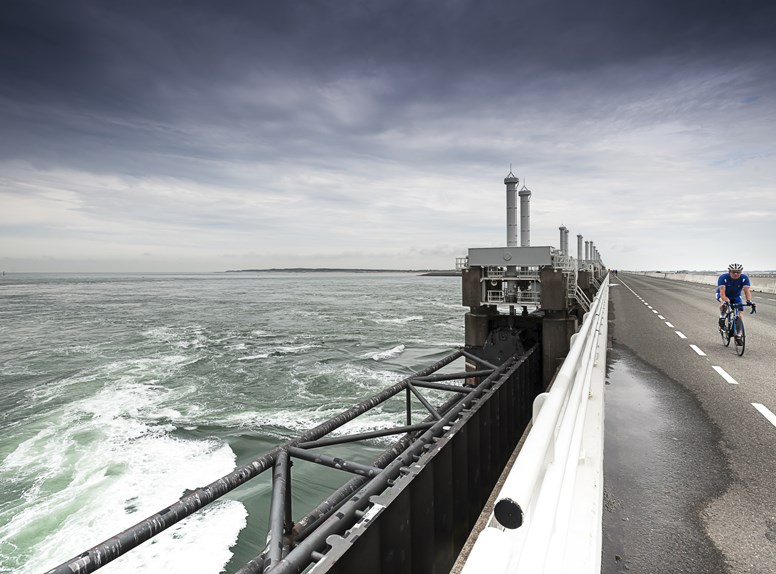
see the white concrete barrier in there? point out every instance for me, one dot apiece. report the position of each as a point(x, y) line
point(759, 284)
point(550, 507)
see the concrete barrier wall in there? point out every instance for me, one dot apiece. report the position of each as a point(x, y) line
point(759, 284)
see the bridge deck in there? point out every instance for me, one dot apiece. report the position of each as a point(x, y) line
point(689, 460)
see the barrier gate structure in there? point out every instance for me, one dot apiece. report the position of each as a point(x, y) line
point(411, 510)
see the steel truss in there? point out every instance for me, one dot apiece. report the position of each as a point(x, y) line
point(292, 546)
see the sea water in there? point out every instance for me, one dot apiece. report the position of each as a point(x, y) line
point(118, 392)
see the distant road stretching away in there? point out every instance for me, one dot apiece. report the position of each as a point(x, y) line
point(690, 463)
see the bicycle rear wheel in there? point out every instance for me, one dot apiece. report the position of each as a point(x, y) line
point(740, 336)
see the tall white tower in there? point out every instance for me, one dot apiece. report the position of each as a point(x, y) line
point(525, 216)
point(511, 182)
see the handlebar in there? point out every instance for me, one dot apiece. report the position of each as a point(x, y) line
point(740, 306)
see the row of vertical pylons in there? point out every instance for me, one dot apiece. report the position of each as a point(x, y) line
point(520, 295)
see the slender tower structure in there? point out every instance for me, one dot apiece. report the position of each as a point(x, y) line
point(511, 182)
point(562, 247)
point(525, 216)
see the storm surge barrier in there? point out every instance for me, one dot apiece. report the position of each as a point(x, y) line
point(548, 514)
point(411, 510)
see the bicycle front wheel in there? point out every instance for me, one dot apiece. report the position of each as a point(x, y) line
point(725, 332)
point(740, 336)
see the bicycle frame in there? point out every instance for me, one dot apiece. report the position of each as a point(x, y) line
point(734, 326)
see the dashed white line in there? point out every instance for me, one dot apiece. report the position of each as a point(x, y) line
point(724, 375)
point(681, 335)
point(669, 324)
point(764, 411)
point(697, 350)
point(771, 299)
point(649, 306)
point(661, 317)
point(654, 311)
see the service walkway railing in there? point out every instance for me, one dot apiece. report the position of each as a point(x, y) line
point(547, 518)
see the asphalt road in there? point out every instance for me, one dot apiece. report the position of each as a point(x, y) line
point(690, 436)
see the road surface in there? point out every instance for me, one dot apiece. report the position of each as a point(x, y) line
point(690, 439)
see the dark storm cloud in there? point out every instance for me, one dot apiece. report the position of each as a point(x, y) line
point(289, 123)
point(246, 79)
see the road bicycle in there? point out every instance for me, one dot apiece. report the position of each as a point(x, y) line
point(734, 326)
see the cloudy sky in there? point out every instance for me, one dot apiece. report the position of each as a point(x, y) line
point(205, 136)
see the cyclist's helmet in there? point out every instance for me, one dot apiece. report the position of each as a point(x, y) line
point(735, 267)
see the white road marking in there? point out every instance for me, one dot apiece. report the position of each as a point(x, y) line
point(766, 413)
point(661, 317)
point(669, 324)
point(725, 376)
point(649, 306)
point(654, 311)
point(697, 350)
point(771, 299)
point(681, 335)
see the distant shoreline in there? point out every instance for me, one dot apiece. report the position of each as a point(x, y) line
point(423, 272)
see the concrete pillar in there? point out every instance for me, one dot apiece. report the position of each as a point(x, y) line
point(557, 326)
point(557, 330)
point(584, 279)
point(477, 327)
point(579, 247)
point(554, 296)
point(471, 287)
point(585, 282)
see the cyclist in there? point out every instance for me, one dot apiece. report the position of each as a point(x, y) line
point(729, 287)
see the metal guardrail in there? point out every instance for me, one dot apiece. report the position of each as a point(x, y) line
point(277, 461)
point(480, 423)
point(761, 282)
point(547, 518)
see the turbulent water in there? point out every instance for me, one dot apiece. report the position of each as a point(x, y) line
point(118, 392)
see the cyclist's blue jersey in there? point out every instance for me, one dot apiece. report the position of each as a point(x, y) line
point(733, 287)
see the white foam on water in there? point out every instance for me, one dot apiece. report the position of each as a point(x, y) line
point(443, 305)
point(389, 354)
point(182, 337)
point(293, 349)
point(292, 419)
point(448, 344)
point(296, 422)
point(281, 350)
point(101, 463)
point(400, 320)
point(359, 377)
point(312, 402)
point(371, 421)
point(253, 357)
